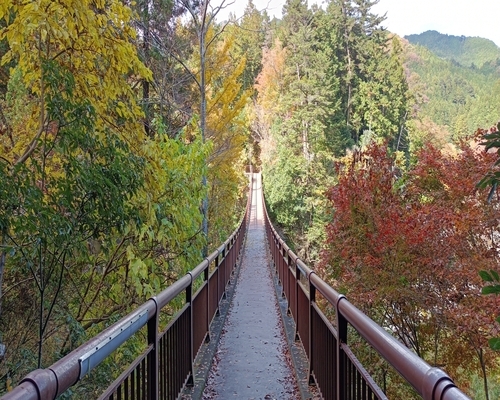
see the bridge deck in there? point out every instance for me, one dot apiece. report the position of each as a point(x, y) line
point(252, 360)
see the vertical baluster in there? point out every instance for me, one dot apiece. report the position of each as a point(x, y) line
point(312, 299)
point(143, 380)
point(152, 357)
point(341, 356)
point(190, 334)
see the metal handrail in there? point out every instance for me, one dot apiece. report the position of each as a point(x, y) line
point(430, 382)
point(51, 382)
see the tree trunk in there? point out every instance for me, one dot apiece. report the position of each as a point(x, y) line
point(349, 71)
point(203, 118)
point(145, 82)
point(483, 369)
point(3, 256)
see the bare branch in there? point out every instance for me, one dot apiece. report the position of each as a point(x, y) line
point(216, 35)
point(216, 10)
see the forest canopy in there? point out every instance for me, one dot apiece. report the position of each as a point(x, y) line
point(125, 129)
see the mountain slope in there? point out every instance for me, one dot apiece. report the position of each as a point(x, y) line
point(467, 51)
point(455, 97)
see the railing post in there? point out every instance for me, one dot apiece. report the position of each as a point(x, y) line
point(189, 299)
point(232, 257)
point(288, 263)
point(274, 248)
point(206, 277)
point(297, 288)
point(281, 268)
point(341, 356)
point(221, 270)
point(312, 300)
point(275, 256)
point(152, 359)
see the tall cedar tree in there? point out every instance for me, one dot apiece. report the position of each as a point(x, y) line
point(297, 172)
point(368, 76)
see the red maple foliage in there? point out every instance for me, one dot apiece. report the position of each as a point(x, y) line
point(407, 249)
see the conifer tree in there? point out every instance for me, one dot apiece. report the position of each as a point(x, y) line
point(250, 41)
point(306, 99)
point(362, 51)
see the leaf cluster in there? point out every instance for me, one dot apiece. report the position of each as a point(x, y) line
point(407, 247)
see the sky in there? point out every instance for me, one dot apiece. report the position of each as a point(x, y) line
point(404, 17)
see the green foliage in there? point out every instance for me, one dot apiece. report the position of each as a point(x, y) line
point(493, 287)
point(406, 246)
point(491, 142)
point(494, 343)
point(95, 215)
point(476, 390)
point(285, 189)
point(331, 81)
point(249, 42)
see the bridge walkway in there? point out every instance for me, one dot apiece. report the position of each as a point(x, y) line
point(252, 360)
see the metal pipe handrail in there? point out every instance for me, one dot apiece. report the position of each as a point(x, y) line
point(430, 382)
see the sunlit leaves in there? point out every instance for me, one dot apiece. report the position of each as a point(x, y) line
point(226, 130)
point(489, 276)
point(493, 287)
point(411, 247)
point(89, 40)
point(95, 214)
point(494, 343)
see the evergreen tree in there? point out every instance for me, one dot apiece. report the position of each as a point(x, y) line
point(250, 42)
point(302, 156)
point(381, 106)
point(361, 49)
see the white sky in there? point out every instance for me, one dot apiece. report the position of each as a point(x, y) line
point(404, 17)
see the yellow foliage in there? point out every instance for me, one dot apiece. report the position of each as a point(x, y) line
point(90, 39)
point(270, 80)
point(226, 130)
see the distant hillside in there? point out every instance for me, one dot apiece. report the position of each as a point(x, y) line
point(466, 51)
point(457, 98)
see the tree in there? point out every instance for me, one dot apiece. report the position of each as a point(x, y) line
point(227, 132)
point(203, 19)
point(297, 93)
point(90, 218)
point(80, 116)
point(382, 103)
point(370, 72)
point(407, 248)
point(250, 41)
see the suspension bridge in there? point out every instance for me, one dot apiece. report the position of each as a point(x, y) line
point(252, 326)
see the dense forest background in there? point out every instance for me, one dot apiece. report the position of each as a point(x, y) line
point(125, 129)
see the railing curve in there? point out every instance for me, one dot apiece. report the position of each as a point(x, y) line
point(333, 367)
point(166, 365)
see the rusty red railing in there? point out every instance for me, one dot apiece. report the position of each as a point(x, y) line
point(333, 367)
point(166, 365)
